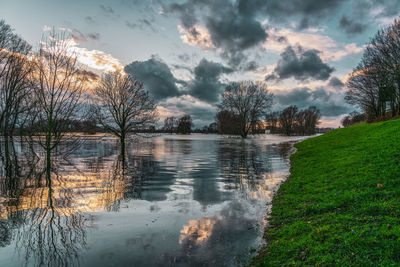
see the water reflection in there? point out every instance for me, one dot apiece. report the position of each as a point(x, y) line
point(176, 200)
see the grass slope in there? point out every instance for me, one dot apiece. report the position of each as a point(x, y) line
point(341, 203)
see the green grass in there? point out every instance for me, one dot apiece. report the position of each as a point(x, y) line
point(341, 204)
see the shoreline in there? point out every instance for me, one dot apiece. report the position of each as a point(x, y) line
point(339, 205)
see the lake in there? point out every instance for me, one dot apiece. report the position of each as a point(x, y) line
point(170, 200)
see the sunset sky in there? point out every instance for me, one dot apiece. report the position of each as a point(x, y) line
point(186, 51)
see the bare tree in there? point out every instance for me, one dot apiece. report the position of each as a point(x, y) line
point(248, 100)
point(170, 124)
point(6, 38)
point(374, 84)
point(122, 105)
point(57, 88)
point(307, 120)
point(287, 119)
point(15, 66)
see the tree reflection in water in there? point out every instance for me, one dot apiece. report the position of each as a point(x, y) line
point(244, 166)
point(44, 201)
point(37, 209)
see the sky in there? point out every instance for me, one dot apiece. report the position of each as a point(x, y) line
point(185, 52)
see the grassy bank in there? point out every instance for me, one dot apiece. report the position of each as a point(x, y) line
point(341, 203)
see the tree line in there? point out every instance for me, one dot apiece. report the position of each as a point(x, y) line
point(245, 108)
point(289, 121)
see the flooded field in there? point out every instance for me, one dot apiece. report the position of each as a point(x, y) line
point(170, 200)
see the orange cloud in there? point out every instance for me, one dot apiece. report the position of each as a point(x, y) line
point(196, 36)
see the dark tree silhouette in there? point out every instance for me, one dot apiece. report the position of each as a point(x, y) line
point(307, 120)
point(353, 118)
point(185, 125)
point(15, 96)
point(227, 123)
point(374, 85)
point(287, 119)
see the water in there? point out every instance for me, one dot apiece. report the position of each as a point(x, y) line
point(170, 201)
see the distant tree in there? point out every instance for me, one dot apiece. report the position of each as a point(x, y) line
point(56, 88)
point(185, 125)
point(272, 119)
point(122, 105)
point(374, 85)
point(170, 124)
point(287, 119)
point(227, 123)
point(248, 101)
point(212, 128)
point(307, 120)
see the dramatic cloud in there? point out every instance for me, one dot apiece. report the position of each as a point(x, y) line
point(206, 85)
point(309, 12)
point(329, 49)
point(306, 65)
point(95, 59)
point(196, 36)
point(330, 103)
point(350, 26)
point(156, 76)
point(226, 27)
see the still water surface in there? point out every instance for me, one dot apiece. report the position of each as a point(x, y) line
point(171, 201)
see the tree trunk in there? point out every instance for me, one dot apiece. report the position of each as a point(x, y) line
point(122, 140)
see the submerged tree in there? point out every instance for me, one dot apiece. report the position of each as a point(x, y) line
point(227, 122)
point(249, 101)
point(122, 105)
point(56, 87)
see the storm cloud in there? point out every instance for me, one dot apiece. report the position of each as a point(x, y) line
point(306, 65)
point(308, 12)
point(330, 104)
point(231, 28)
point(350, 26)
point(156, 76)
point(206, 85)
